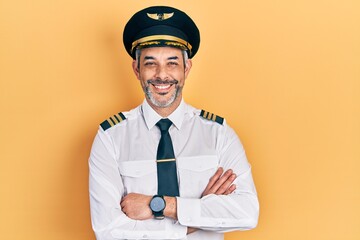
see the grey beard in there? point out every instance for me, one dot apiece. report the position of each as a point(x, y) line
point(162, 104)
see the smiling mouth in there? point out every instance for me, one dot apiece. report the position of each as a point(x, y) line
point(162, 85)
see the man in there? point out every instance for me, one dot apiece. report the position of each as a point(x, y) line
point(166, 170)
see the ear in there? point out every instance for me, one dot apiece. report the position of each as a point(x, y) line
point(136, 69)
point(188, 66)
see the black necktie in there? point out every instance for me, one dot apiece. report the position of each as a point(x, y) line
point(166, 164)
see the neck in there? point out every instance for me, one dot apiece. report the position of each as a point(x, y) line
point(166, 111)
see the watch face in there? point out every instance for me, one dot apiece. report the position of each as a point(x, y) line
point(157, 204)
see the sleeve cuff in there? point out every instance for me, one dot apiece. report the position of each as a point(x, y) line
point(188, 211)
point(172, 230)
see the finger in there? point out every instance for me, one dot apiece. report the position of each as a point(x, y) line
point(123, 208)
point(226, 184)
point(123, 202)
point(191, 230)
point(221, 181)
point(230, 190)
point(213, 179)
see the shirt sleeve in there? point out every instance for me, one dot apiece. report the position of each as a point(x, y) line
point(223, 213)
point(106, 190)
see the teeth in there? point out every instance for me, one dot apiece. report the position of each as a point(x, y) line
point(162, 86)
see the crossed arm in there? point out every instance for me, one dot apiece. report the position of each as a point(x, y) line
point(221, 208)
point(136, 206)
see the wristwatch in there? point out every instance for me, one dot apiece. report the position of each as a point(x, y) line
point(157, 206)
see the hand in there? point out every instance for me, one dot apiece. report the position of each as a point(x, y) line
point(191, 230)
point(136, 206)
point(220, 184)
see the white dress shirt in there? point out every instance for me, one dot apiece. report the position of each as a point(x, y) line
point(123, 160)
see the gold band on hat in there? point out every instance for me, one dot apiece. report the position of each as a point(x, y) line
point(153, 38)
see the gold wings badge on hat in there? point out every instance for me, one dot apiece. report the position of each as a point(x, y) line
point(160, 16)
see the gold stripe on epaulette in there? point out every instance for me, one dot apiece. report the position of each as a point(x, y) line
point(114, 120)
point(119, 117)
point(214, 117)
point(205, 114)
point(211, 116)
point(110, 122)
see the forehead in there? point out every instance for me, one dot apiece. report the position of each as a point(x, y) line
point(161, 52)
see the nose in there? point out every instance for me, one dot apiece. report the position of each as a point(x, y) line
point(161, 73)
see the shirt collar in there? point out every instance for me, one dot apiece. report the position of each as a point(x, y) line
point(151, 117)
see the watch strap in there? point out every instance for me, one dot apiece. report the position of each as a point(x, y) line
point(159, 215)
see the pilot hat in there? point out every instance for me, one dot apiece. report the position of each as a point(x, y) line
point(160, 26)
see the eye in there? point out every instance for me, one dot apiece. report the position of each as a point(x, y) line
point(172, 63)
point(149, 63)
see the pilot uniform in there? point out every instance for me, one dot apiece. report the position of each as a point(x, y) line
point(123, 160)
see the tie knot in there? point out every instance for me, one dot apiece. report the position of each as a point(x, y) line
point(164, 124)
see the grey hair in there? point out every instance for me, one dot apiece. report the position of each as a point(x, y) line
point(138, 53)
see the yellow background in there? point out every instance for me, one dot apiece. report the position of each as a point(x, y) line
point(285, 74)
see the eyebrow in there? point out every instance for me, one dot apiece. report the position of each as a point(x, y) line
point(173, 58)
point(148, 58)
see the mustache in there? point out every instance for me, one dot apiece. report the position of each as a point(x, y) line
point(159, 81)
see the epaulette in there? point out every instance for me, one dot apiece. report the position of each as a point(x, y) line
point(112, 121)
point(212, 117)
